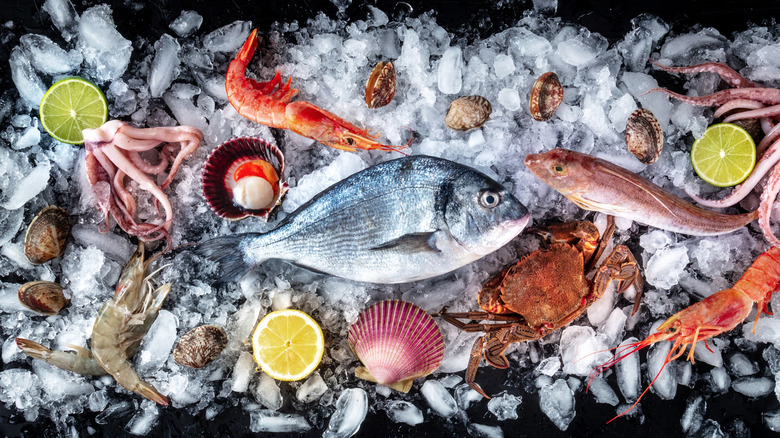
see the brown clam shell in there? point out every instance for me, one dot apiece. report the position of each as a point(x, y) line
point(546, 96)
point(44, 297)
point(218, 170)
point(46, 235)
point(199, 346)
point(380, 87)
point(644, 136)
point(468, 112)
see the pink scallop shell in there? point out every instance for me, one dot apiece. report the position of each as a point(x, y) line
point(216, 181)
point(397, 343)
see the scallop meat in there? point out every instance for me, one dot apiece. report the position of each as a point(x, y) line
point(200, 346)
point(46, 235)
point(397, 342)
point(468, 112)
point(380, 87)
point(546, 97)
point(644, 136)
point(243, 177)
point(44, 297)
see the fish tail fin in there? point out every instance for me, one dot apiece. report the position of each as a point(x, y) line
point(230, 256)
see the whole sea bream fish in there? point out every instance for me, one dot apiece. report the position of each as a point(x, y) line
point(597, 185)
point(399, 221)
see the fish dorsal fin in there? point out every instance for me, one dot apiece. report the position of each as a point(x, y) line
point(412, 243)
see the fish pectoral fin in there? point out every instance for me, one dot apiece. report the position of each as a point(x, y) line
point(412, 243)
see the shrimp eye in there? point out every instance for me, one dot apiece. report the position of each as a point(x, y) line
point(558, 169)
point(350, 141)
point(489, 199)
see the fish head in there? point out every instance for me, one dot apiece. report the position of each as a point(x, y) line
point(566, 171)
point(481, 214)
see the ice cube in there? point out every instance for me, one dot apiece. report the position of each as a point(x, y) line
point(144, 419)
point(627, 371)
point(557, 402)
point(754, 386)
point(186, 23)
point(509, 99)
point(351, 410)
point(27, 81)
point(450, 70)
point(693, 416)
point(10, 222)
point(64, 17)
point(600, 310)
point(582, 350)
point(620, 110)
point(484, 431)
point(686, 49)
point(439, 399)
point(504, 407)
point(105, 50)
point(662, 374)
point(30, 137)
point(243, 371)
point(576, 52)
point(227, 38)
point(740, 365)
point(503, 65)
point(28, 187)
point(465, 395)
point(158, 342)
point(266, 420)
point(164, 65)
point(48, 57)
point(312, 389)
point(665, 268)
point(549, 366)
point(602, 392)
point(400, 411)
point(267, 392)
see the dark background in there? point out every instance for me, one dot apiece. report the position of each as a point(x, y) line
point(736, 414)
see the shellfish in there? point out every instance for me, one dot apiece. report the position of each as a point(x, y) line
point(44, 297)
point(397, 342)
point(644, 136)
point(200, 346)
point(242, 177)
point(546, 97)
point(380, 87)
point(46, 235)
point(468, 112)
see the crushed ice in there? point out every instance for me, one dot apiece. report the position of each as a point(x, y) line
point(179, 79)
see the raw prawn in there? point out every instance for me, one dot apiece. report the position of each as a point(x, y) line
point(79, 361)
point(719, 313)
point(268, 103)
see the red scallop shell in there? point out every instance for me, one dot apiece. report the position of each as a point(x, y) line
point(216, 181)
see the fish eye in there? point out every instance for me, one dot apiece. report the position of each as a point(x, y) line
point(558, 169)
point(489, 199)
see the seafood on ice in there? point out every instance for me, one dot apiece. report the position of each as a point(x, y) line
point(399, 221)
point(598, 185)
point(46, 235)
point(545, 291)
point(268, 103)
point(719, 313)
point(119, 328)
point(746, 101)
point(113, 153)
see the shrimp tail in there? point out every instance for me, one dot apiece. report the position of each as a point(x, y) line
point(147, 390)
point(231, 255)
point(33, 349)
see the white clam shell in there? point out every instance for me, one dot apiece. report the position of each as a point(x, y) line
point(397, 343)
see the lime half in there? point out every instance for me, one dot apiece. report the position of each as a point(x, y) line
point(724, 156)
point(70, 105)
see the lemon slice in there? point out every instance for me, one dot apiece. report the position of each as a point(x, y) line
point(288, 344)
point(724, 156)
point(71, 105)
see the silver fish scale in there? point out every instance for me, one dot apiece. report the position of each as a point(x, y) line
point(386, 224)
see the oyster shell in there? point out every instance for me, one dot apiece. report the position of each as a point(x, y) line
point(546, 97)
point(46, 235)
point(44, 297)
point(397, 342)
point(200, 346)
point(644, 136)
point(380, 87)
point(468, 112)
point(242, 177)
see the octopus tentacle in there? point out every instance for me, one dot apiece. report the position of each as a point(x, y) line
point(726, 73)
point(765, 208)
point(768, 139)
point(769, 111)
point(767, 124)
point(737, 104)
point(123, 194)
point(762, 167)
point(769, 96)
point(145, 166)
